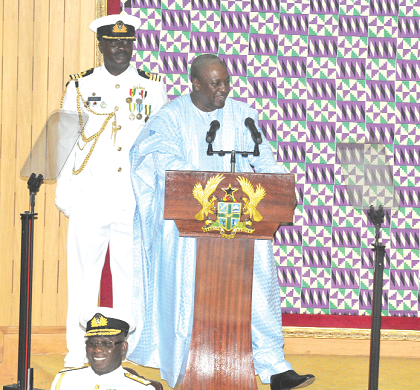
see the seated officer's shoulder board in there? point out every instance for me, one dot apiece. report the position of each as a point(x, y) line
point(72, 369)
point(150, 76)
point(78, 76)
point(137, 378)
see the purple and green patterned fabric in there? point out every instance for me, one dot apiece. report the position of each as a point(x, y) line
point(320, 73)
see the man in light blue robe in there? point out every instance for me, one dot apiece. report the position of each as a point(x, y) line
point(175, 139)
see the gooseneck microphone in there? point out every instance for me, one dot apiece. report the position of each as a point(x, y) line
point(255, 134)
point(211, 134)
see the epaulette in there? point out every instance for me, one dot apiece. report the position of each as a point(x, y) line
point(150, 76)
point(78, 76)
point(73, 369)
point(137, 378)
point(81, 74)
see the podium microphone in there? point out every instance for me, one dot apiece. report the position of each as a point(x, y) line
point(255, 134)
point(211, 134)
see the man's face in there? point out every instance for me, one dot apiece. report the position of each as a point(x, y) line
point(117, 54)
point(105, 359)
point(212, 88)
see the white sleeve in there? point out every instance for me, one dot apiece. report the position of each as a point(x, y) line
point(63, 193)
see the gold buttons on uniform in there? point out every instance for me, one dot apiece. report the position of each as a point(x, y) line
point(117, 86)
point(119, 127)
point(119, 169)
point(119, 149)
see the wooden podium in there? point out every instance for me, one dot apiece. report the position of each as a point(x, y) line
point(220, 356)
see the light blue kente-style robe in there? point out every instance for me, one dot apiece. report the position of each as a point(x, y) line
point(174, 139)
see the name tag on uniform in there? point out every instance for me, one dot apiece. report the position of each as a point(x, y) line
point(94, 98)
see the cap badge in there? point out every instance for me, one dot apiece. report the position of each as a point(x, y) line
point(119, 27)
point(98, 320)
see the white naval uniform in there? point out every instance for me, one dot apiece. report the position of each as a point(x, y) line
point(99, 200)
point(85, 379)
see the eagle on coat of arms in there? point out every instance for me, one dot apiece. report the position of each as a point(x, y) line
point(203, 196)
point(254, 197)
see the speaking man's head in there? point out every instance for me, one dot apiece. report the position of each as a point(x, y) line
point(210, 82)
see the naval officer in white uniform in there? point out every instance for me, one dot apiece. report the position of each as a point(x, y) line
point(94, 188)
point(106, 347)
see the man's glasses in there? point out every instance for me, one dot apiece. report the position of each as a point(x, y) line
point(107, 344)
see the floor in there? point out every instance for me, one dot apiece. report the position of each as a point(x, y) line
point(332, 372)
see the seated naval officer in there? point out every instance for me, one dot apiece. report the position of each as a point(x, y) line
point(94, 188)
point(106, 347)
point(175, 139)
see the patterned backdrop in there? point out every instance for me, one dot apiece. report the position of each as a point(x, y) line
point(319, 73)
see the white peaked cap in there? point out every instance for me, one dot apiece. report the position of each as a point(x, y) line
point(129, 20)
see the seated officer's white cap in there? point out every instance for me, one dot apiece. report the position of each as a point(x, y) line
point(106, 321)
point(119, 26)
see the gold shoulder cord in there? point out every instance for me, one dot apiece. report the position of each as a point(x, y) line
point(62, 97)
point(58, 384)
point(95, 136)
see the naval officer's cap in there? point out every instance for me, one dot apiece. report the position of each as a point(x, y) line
point(106, 321)
point(120, 26)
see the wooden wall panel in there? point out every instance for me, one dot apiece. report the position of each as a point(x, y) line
point(87, 37)
point(41, 42)
point(8, 147)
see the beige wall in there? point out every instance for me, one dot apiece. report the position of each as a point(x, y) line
point(42, 42)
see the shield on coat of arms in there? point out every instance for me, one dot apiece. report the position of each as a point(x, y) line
point(229, 214)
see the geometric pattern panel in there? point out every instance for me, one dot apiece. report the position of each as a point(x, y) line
point(320, 73)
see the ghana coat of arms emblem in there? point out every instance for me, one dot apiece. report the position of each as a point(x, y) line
point(229, 209)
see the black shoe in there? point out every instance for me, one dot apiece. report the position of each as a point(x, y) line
point(290, 380)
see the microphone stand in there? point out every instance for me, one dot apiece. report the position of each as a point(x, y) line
point(377, 218)
point(233, 154)
point(255, 134)
point(25, 373)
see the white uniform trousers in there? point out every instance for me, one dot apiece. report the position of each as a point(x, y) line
point(89, 234)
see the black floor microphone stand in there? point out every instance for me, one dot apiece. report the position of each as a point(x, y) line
point(25, 373)
point(377, 218)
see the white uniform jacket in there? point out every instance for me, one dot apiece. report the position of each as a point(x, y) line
point(105, 180)
point(84, 378)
